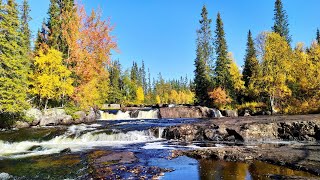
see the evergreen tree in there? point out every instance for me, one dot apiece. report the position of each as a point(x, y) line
point(14, 67)
point(281, 24)
point(251, 63)
point(318, 36)
point(222, 75)
point(25, 30)
point(204, 55)
point(56, 39)
point(143, 77)
point(115, 95)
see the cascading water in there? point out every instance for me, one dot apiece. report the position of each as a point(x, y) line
point(138, 114)
point(76, 138)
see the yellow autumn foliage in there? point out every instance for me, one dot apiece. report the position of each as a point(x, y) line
point(51, 79)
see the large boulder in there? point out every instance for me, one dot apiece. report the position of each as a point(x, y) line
point(81, 117)
point(91, 117)
point(21, 124)
point(55, 116)
point(230, 113)
point(49, 121)
point(34, 114)
point(67, 120)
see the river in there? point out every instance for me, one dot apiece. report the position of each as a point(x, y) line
point(69, 152)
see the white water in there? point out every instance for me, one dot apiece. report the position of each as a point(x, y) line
point(217, 113)
point(151, 114)
point(74, 140)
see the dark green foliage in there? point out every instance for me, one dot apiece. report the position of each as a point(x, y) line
point(115, 95)
point(318, 36)
point(203, 60)
point(251, 63)
point(14, 66)
point(281, 24)
point(42, 36)
point(56, 39)
point(25, 30)
point(222, 74)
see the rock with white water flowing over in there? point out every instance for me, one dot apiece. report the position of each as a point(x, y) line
point(5, 176)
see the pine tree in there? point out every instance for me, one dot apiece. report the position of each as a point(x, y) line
point(222, 75)
point(204, 55)
point(318, 36)
point(14, 68)
point(143, 77)
point(281, 24)
point(251, 63)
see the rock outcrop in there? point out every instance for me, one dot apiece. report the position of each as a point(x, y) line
point(299, 128)
point(188, 112)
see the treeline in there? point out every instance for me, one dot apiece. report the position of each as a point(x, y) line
point(135, 87)
point(275, 75)
point(70, 64)
point(66, 67)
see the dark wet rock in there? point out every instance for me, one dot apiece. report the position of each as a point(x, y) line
point(296, 156)
point(281, 177)
point(21, 124)
point(120, 165)
point(299, 128)
point(65, 151)
point(35, 148)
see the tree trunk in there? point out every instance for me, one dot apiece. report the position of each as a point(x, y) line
point(46, 104)
point(272, 104)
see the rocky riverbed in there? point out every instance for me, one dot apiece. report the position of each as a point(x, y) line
point(290, 141)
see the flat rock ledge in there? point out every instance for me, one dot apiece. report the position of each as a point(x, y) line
point(246, 129)
point(299, 157)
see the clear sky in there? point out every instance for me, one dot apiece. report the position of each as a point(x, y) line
point(163, 32)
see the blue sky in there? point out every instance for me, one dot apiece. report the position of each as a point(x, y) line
point(163, 32)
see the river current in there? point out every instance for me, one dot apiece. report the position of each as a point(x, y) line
point(62, 152)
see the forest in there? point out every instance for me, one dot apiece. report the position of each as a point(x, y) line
point(70, 65)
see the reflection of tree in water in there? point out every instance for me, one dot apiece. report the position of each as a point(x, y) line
point(211, 169)
point(260, 170)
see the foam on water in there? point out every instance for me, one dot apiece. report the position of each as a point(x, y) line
point(77, 138)
point(5, 176)
point(142, 114)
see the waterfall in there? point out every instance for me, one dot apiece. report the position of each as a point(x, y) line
point(151, 114)
point(138, 114)
point(76, 138)
point(118, 116)
point(217, 113)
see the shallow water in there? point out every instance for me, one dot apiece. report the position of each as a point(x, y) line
point(36, 153)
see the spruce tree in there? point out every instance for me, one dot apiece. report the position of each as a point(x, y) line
point(281, 24)
point(204, 53)
point(222, 75)
point(318, 36)
point(115, 95)
point(25, 30)
point(14, 67)
point(56, 39)
point(250, 62)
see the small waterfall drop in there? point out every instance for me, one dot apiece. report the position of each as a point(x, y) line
point(217, 113)
point(137, 114)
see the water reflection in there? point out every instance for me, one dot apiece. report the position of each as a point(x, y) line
point(210, 169)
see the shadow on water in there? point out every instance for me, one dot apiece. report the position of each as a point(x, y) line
point(211, 169)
